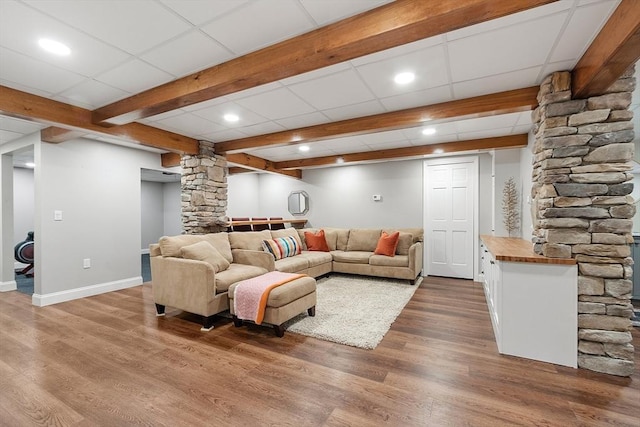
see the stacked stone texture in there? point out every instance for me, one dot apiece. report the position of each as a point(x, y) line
point(204, 191)
point(582, 208)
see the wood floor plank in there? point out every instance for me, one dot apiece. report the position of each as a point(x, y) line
point(108, 360)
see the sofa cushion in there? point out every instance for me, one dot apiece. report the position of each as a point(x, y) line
point(387, 244)
point(362, 239)
point(337, 238)
point(251, 240)
point(170, 246)
point(292, 264)
point(204, 251)
point(316, 258)
point(316, 241)
point(417, 234)
point(357, 257)
point(387, 261)
point(236, 273)
point(282, 247)
point(220, 241)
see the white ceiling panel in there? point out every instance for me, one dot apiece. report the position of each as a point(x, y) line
point(303, 120)
point(368, 108)
point(336, 90)
point(496, 83)
point(428, 65)
point(388, 145)
point(133, 26)
point(491, 133)
point(91, 94)
point(29, 72)
point(187, 54)
point(21, 27)
point(262, 128)
point(224, 135)
point(276, 104)
point(384, 137)
point(574, 40)
point(418, 98)
point(487, 123)
point(188, 124)
point(7, 136)
point(216, 113)
point(504, 50)
point(201, 11)
point(435, 139)
point(395, 52)
point(279, 20)
point(20, 126)
point(135, 76)
point(324, 12)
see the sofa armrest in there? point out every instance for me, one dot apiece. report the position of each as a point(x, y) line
point(183, 283)
point(415, 258)
point(256, 258)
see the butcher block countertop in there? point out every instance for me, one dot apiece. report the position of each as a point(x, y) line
point(518, 250)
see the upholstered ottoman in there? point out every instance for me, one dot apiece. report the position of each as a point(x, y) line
point(284, 302)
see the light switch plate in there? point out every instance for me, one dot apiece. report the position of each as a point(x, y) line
point(57, 215)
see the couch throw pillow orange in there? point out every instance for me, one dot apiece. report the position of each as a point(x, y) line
point(316, 241)
point(387, 244)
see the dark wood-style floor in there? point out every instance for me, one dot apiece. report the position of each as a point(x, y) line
point(107, 360)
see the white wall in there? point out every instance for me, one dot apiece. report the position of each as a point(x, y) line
point(243, 195)
point(172, 197)
point(507, 165)
point(526, 169)
point(152, 218)
point(23, 203)
point(97, 188)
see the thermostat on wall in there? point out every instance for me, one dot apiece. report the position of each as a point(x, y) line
point(377, 197)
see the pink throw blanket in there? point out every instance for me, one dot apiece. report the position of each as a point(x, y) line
point(251, 295)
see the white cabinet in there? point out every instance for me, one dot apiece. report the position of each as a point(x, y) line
point(533, 307)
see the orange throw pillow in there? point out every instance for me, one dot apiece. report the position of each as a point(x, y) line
point(316, 242)
point(387, 244)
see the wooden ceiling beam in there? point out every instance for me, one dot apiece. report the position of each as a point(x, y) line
point(56, 135)
point(234, 170)
point(169, 160)
point(385, 27)
point(511, 141)
point(480, 106)
point(614, 50)
point(256, 163)
point(24, 105)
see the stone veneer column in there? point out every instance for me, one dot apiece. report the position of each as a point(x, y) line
point(582, 208)
point(204, 191)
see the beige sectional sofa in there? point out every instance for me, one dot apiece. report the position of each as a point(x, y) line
point(183, 280)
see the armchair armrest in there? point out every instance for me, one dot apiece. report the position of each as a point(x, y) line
point(256, 258)
point(415, 258)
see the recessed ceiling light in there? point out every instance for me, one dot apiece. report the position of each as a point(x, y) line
point(231, 117)
point(55, 47)
point(304, 148)
point(404, 78)
point(428, 131)
point(340, 160)
point(30, 165)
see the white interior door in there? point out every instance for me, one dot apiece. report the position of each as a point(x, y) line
point(450, 211)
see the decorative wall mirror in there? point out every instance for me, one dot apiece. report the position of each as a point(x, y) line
point(298, 203)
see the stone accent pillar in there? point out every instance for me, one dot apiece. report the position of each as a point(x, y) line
point(582, 208)
point(204, 191)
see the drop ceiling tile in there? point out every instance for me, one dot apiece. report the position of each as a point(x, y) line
point(415, 133)
point(384, 137)
point(326, 11)
point(91, 93)
point(521, 129)
point(262, 128)
point(188, 124)
point(133, 26)
point(163, 116)
point(243, 35)
point(282, 151)
point(487, 123)
point(555, 66)
point(303, 120)
point(200, 11)
point(187, 54)
point(276, 104)
point(511, 20)
point(504, 50)
point(336, 90)
point(135, 76)
point(492, 133)
point(7, 136)
point(418, 99)
point(584, 25)
point(497, 83)
point(23, 88)
point(39, 75)
point(19, 126)
point(524, 118)
point(434, 139)
point(340, 143)
point(216, 113)
point(398, 51)
point(224, 135)
point(21, 27)
point(254, 91)
point(206, 104)
point(389, 145)
point(368, 108)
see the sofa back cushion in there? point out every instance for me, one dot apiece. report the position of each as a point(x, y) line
point(337, 238)
point(220, 241)
point(204, 251)
point(251, 240)
point(363, 239)
point(171, 245)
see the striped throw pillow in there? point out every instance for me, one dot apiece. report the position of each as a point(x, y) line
point(282, 247)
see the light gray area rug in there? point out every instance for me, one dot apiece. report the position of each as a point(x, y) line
point(354, 310)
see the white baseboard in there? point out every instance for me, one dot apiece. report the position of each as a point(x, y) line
point(11, 285)
point(86, 291)
point(144, 251)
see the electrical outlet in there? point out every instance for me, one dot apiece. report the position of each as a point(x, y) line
point(86, 263)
